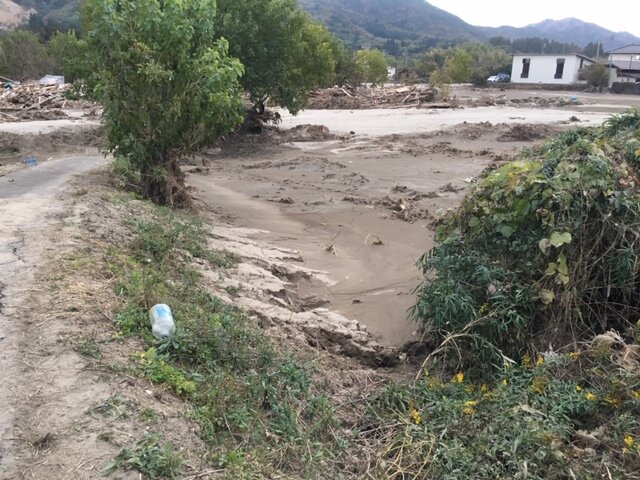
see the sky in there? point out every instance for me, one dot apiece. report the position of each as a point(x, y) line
point(621, 15)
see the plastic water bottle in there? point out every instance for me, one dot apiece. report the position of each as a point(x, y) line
point(162, 325)
point(31, 161)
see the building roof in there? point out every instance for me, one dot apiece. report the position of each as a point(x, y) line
point(633, 48)
point(626, 66)
point(554, 55)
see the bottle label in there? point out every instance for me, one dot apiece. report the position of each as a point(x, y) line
point(162, 311)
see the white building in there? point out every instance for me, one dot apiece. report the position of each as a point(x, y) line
point(558, 69)
point(625, 64)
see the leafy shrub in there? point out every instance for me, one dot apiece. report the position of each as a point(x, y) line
point(149, 458)
point(544, 251)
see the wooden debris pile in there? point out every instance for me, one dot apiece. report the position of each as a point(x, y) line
point(341, 98)
point(31, 101)
point(33, 96)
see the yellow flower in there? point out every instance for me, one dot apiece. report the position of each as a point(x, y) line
point(578, 388)
point(484, 388)
point(540, 361)
point(469, 407)
point(416, 416)
point(458, 378)
point(526, 360)
point(470, 388)
point(628, 440)
point(540, 384)
point(574, 355)
point(590, 396)
point(505, 382)
point(612, 400)
point(636, 394)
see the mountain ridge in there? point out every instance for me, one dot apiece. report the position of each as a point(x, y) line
point(407, 26)
point(567, 30)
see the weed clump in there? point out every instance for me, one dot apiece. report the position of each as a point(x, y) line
point(258, 407)
point(573, 415)
point(150, 458)
point(543, 252)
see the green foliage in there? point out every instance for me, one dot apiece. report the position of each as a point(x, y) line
point(249, 396)
point(571, 415)
point(372, 65)
point(149, 458)
point(487, 60)
point(285, 54)
point(168, 86)
point(457, 68)
point(543, 251)
point(597, 75)
point(22, 55)
point(68, 56)
point(156, 369)
point(533, 45)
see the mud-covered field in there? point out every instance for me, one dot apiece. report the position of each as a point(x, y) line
point(360, 208)
point(326, 217)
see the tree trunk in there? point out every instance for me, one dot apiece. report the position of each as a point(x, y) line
point(163, 183)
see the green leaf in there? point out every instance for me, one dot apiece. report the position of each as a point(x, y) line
point(474, 222)
point(506, 230)
point(523, 206)
point(545, 245)
point(552, 268)
point(562, 265)
point(546, 296)
point(559, 239)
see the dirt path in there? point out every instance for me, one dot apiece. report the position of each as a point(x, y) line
point(27, 206)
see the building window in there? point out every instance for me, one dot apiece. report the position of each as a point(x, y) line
point(559, 68)
point(526, 62)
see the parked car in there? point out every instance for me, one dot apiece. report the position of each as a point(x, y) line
point(499, 78)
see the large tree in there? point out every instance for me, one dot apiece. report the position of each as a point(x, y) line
point(22, 55)
point(372, 65)
point(285, 54)
point(168, 85)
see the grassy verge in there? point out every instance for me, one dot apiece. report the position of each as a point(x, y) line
point(259, 408)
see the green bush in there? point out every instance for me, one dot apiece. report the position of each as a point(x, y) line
point(543, 251)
